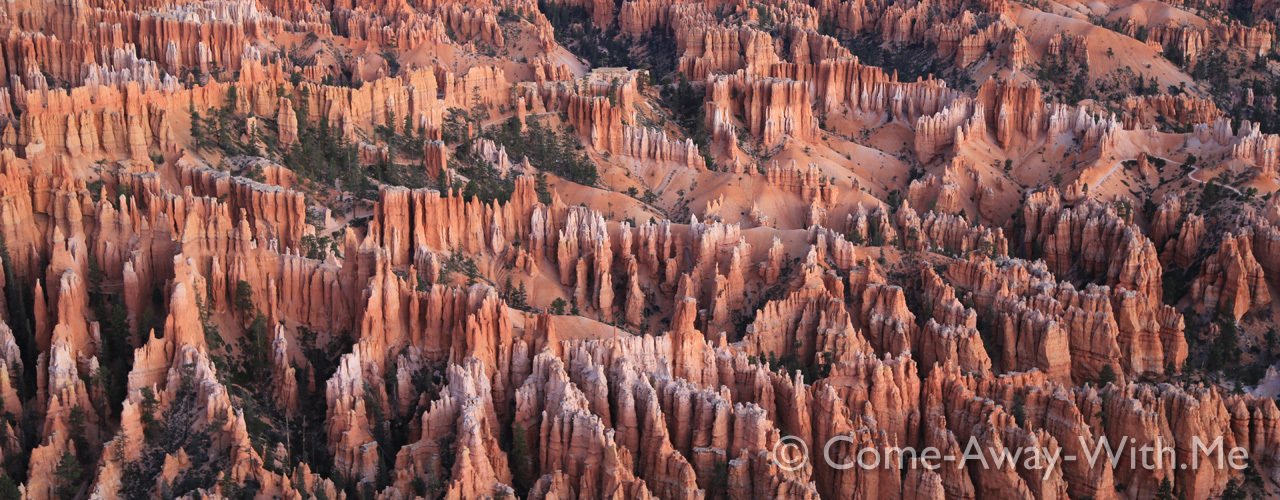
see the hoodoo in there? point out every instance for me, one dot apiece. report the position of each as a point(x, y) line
point(643, 249)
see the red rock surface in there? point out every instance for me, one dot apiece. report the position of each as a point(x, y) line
point(334, 250)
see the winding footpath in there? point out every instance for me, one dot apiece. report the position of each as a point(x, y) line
point(1190, 175)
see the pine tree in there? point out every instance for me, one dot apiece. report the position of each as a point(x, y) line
point(521, 467)
point(521, 295)
point(197, 127)
point(150, 427)
point(1019, 411)
point(8, 489)
point(77, 422)
point(1107, 376)
point(1165, 491)
point(68, 474)
point(244, 298)
point(1233, 491)
point(540, 186)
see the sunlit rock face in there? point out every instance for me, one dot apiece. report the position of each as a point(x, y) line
point(637, 250)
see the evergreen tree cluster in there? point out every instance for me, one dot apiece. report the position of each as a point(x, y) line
point(250, 365)
point(515, 296)
point(548, 150)
point(177, 429)
point(325, 156)
point(483, 180)
point(222, 129)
